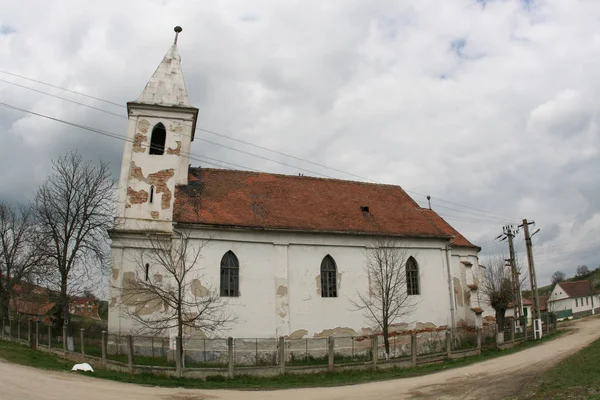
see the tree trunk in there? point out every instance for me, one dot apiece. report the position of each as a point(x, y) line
point(386, 341)
point(500, 318)
point(65, 317)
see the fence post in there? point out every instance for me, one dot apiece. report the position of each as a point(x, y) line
point(3, 327)
point(64, 339)
point(10, 323)
point(448, 343)
point(37, 334)
point(130, 353)
point(512, 333)
point(49, 337)
point(82, 339)
point(19, 329)
point(374, 349)
point(413, 348)
point(547, 323)
point(29, 334)
point(281, 355)
point(178, 355)
point(103, 345)
point(230, 355)
point(478, 340)
point(330, 352)
point(555, 321)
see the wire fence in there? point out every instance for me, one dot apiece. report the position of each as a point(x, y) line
point(265, 352)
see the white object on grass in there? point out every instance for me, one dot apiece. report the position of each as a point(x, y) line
point(82, 367)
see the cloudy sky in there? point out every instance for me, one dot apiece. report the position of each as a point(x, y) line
point(491, 107)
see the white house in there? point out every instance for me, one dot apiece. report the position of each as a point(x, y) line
point(287, 251)
point(580, 297)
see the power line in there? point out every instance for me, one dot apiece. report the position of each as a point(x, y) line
point(116, 136)
point(489, 214)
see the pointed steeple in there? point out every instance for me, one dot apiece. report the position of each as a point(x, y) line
point(167, 87)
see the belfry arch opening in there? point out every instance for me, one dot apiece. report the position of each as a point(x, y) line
point(158, 138)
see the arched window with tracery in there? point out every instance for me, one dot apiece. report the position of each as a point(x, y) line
point(412, 277)
point(328, 277)
point(230, 275)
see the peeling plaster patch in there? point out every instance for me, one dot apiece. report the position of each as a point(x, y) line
point(468, 297)
point(299, 334)
point(158, 180)
point(336, 332)
point(138, 140)
point(282, 291)
point(282, 313)
point(113, 302)
point(115, 273)
point(198, 290)
point(136, 172)
point(339, 281)
point(154, 214)
point(458, 291)
point(419, 326)
point(137, 196)
point(158, 278)
point(143, 125)
point(176, 150)
point(144, 304)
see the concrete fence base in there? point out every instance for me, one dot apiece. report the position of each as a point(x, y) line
point(231, 370)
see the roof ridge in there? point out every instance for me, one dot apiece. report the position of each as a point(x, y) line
point(307, 177)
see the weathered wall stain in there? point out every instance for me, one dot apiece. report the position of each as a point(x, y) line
point(143, 126)
point(154, 214)
point(115, 273)
point(177, 128)
point(143, 303)
point(176, 150)
point(198, 290)
point(138, 141)
point(318, 283)
point(281, 291)
point(299, 334)
point(458, 292)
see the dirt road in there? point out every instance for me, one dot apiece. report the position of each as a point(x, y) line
point(497, 378)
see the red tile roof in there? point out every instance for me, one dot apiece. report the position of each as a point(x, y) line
point(271, 201)
point(578, 288)
point(33, 308)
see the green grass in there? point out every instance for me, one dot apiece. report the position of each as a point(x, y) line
point(577, 377)
point(23, 355)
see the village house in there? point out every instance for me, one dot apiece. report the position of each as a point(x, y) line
point(575, 299)
point(286, 251)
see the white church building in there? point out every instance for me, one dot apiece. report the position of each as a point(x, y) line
point(288, 252)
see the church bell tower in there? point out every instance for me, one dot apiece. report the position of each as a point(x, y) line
point(156, 154)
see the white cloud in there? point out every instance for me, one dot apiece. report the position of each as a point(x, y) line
point(491, 104)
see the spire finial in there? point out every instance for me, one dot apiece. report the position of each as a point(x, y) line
point(177, 30)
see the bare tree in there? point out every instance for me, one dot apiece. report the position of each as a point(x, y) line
point(497, 287)
point(167, 290)
point(388, 299)
point(73, 210)
point(582, 270)
point(20, 258)
point(558, 277)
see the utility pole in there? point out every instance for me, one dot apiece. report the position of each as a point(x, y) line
point(508, 232)
point(537, 323)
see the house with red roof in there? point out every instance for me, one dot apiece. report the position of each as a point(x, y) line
point(286, 252)
point(580, 297)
